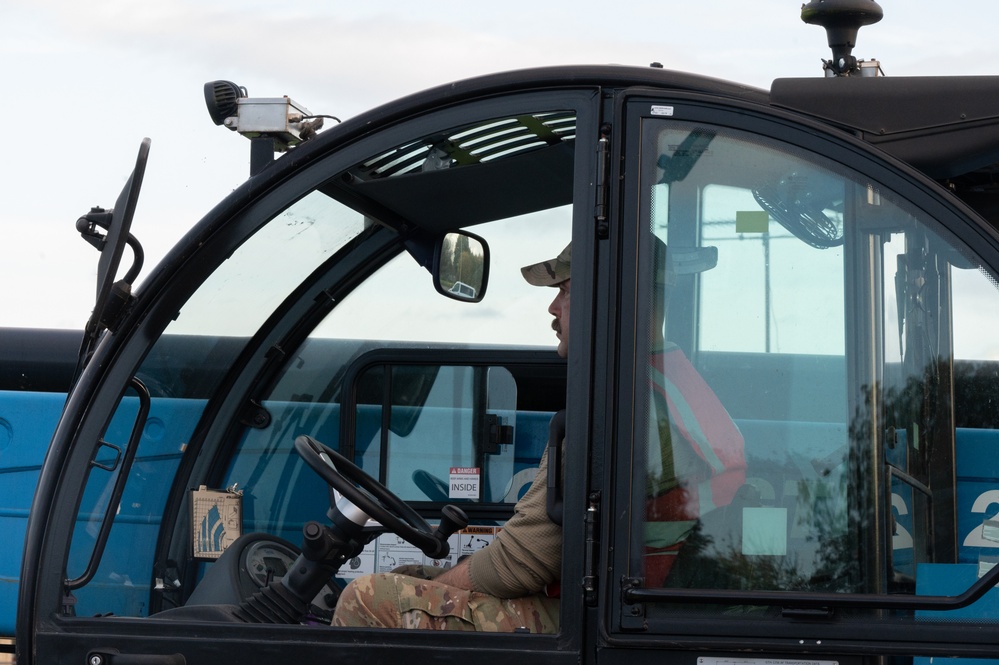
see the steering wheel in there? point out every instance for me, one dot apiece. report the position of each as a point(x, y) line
point(370, 496)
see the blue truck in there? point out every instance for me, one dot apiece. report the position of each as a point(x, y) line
point(778, 404)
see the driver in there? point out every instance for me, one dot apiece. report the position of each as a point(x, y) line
point(502, 587)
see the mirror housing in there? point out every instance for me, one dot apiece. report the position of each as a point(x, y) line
point(461, 266)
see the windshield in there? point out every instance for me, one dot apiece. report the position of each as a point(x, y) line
point(247, 287)
point(271, 345)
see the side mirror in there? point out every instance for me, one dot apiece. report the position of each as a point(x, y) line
point(461, 266)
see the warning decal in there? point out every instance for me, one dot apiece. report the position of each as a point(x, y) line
point(464, 482)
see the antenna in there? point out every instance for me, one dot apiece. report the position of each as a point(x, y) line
point(842, 20)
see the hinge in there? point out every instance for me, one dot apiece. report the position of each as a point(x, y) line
point(601, 204)
point(591, 549)
point(68, 603)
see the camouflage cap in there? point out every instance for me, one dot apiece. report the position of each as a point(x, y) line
point(666, 264)
point(551, 272)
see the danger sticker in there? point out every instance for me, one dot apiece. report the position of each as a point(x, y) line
point(464, 482)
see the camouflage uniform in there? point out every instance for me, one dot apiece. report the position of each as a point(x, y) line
point(509, 577)
point(397, 600)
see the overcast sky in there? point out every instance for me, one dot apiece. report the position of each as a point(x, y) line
point(83, 82)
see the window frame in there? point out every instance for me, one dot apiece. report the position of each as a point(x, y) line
point(207, 453)
point(628, 622)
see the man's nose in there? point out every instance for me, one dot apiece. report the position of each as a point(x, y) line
point(553, 308)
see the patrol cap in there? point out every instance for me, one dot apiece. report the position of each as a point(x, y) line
point(667, 264)
point(551, 272)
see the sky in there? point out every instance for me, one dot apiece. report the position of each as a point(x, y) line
point(82, 84)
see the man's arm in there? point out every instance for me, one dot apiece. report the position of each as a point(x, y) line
point(457, 576)
point(526, 554)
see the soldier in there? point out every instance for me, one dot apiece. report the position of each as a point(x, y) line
point(503, 587)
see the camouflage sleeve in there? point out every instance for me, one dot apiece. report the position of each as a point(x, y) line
point(526, 555)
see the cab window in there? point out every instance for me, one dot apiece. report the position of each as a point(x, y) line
point(815, 389)
point(445, 401)
point(441, 392)
point(441, 400)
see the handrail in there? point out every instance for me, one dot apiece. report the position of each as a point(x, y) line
point(812, 600)
point(119, 487)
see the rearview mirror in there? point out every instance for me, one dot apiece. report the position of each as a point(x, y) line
point(461, 266)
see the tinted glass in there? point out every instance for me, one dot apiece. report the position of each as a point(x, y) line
point(181, 372)
point(819, 382)
point(423, 420)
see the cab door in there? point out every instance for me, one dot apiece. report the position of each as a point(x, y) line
point(808, 464)
point(248, 337)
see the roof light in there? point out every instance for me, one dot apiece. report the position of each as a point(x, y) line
point(273, 124)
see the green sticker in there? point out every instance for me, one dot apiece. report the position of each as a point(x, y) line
point(764, 531)
point(752, 221)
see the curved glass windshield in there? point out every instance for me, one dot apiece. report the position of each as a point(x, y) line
point(182, 371)
point(440, 393)
point(246, 288)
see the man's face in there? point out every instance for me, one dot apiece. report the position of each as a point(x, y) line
point(560, 310)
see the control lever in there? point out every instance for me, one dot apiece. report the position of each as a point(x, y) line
point(317, 542)
point(453, 519)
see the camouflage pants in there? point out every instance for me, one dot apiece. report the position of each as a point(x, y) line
point(414, 600)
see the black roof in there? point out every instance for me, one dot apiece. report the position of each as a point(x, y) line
point(945, 126)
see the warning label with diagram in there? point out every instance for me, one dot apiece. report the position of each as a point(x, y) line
point(388, 552)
